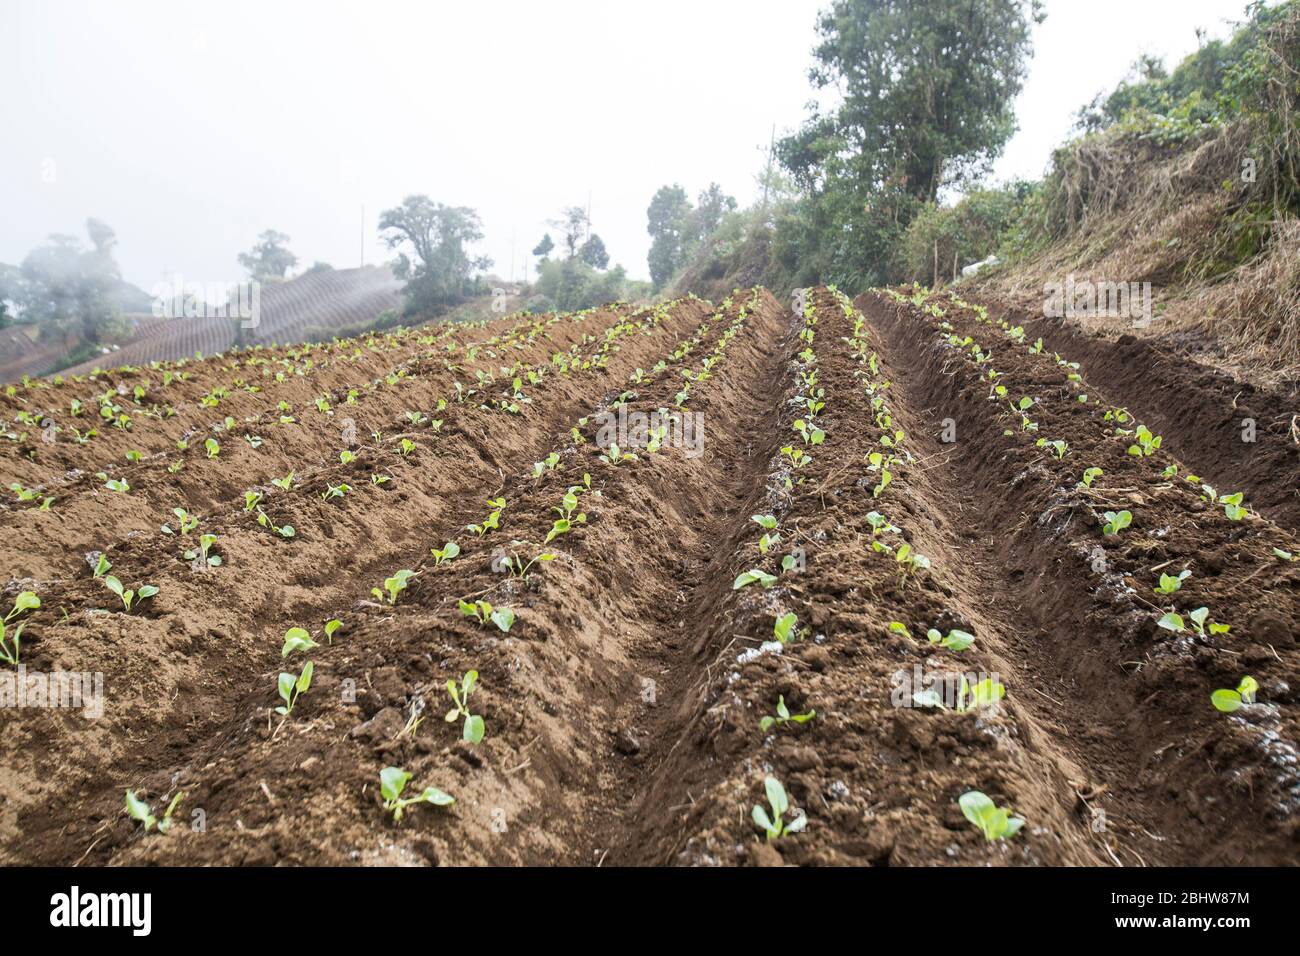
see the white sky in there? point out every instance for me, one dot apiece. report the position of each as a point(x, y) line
point(191, 127)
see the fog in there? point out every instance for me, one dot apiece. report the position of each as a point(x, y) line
point(192, 127)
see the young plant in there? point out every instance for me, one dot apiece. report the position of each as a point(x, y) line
point(297, 639)
point(516, 566)
point(616, 456)
point(996, 823)
point(1116, 521)
point(129, 597)
point(448, 551)
point(1089, 475)
point(1170, 583)
point(26, 601)
point(137, 809)
point(473, 729)
point(335, 491)
point(1147, 443)
point(284, 531)
point(202, 555)
point(102, 566)
point(186, 522)
point(752, 575)
point(786, 630)
point(291, 688)
point(954, 640)
point(768, 524)
point(392, 781)
point(330, 627)
point(1200, 623)
point(394, 585)
point(1228, 701)
point(485, 614)
point(212, 447)
point(285, 483)
point(775, 826)
point(783, 716)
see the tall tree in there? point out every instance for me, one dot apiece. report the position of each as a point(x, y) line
point(668, 223)
point(270, 259)
point(437, 235)
point(543, 248)
point(593, 252)
point(927, 91)
point(573, 225)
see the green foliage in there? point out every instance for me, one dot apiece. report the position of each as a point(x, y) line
point(774, 825)
point(473, 728)
point(784, 716)
point(485, 614)
point(433, 259)
point(1228, 701)
point(26, 601)
point(128, 596)
point(140, 811)
point(996, 823)
point(393, 780)
point(291, 688)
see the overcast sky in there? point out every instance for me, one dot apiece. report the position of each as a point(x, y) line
point(191, 127)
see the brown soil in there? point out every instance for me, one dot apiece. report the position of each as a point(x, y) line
point(622, 708)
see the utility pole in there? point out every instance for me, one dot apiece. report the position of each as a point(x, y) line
point(767, 176)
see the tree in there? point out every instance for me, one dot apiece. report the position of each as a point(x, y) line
point(593, 252)
point(668, 223)
point(711, 206)
point(439, 275)
point(67, 289)
point(927, 91)
point(270, 259)
point(573, 225)
point(543, 248)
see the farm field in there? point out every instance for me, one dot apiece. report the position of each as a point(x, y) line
point(865, 558)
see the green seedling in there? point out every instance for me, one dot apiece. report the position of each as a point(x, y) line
point(285, 483)
point(407, 446)
point(1199, 620)
point(284, 531)
point(202, 555)
point(775, 826)
point(446, 553)
point(810, 434)
point(1228, 701)
point(213, 448)
point(392, 781)
point(485, 614)
point(378, 479)
point(297, 639)
point(26, 601)
point(330, 628)
point(786, 628)
point(996, 823)
point(752, 575)
point(1147, 443)
point(1283, 555)
point(516, 566)
point(954, 640)
point(252, 499)
point(616, 456)
point(1170, 583)
point(783, 716)
point(102, 566)
point(1232, 506)
point(394, 585)
point(291, 688)
point(1090, 475)
point(347, 457)
point(473, 729)
point(985, 693)
point(769, 538)
point(185, 522)
point(137, 809)
point(335, 491)
point(120, 485)
point(129, 597)
point(1116, 521)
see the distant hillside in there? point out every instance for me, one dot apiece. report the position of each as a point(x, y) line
point(312, 307)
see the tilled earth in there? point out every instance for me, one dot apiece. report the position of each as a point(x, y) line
point(622, 707)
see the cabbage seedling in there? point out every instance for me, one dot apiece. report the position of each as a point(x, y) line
point(448, 551)
point(285, 483)
point(768, 523)
point(213, 448)
point(284, 531)
point(954, 640)
point(186, 522)
point(783, 716)
point(485, 614)
point(996, 823)
point(616, 456)
point(102, 566)
point(810, 434)
point(120, 485)
point(1089, 475)
point(1170, 583)
point(775, 826)
point(335, 491)
point(252, 499)
point(330, 627)
point(392, 781)
point(752, 575)
point(1229, 700)
point(1147, 444)
point(394, 585)
point(517, 567)
point(26, 601)
point(128, 596)
point(291, 688)
point(297, 639)
point(786, 630)
point(473, 729)
point(137, 809)
point(1116, 521)
point(1232, 506)
point(1199, 618)
point(203, 553)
